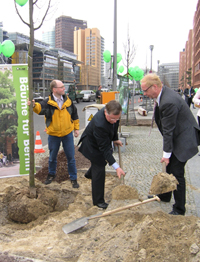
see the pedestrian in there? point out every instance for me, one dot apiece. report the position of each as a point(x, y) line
point(96, 145)
point(61, 120)
point(98, 95)
point(196, 101)
point(1, 157)
point(180, 134)
point(189, 93)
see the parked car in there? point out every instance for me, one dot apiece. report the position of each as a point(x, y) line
point(37, 97)
point(89, 95)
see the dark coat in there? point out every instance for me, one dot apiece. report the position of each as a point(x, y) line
point(97, 139)
point(177, 125)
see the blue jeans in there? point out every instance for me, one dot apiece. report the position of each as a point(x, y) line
point(68, 146)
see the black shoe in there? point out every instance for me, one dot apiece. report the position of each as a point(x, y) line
point(175, 213)
point(74, 184)
point(49, 179)
point(103, 205)
point(88, 176)
point(151, 196)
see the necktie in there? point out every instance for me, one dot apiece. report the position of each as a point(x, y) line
point(153, 117)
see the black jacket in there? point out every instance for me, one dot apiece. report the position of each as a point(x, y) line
point(97, 139)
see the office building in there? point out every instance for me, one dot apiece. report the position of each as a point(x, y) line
point(88, 46)
point(169, 74)
point(49, 37)
point(48, 63)
point(64, 31)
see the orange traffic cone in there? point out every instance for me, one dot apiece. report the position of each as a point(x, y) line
point(38, 144)
point(141, 100)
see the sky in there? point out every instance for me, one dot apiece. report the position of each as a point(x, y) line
point(163, 24)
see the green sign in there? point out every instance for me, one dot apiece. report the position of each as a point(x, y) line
point(20, 81)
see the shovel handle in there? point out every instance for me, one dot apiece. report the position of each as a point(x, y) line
point(163, 167)
point(126, 207)
point(120, 162)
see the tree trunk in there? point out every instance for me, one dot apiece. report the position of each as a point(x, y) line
point(30, 77)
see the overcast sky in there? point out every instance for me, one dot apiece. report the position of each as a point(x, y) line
point(164, 24)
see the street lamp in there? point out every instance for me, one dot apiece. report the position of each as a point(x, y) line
point(158, 66)
point(151, 48)
point(43, 71)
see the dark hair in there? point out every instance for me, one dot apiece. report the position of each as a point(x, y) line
point(113, 107)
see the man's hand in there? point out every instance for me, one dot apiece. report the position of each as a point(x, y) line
point(29, 102)
point(76, 133)
point(166, 160)
point(118, 142)
point(120, 172)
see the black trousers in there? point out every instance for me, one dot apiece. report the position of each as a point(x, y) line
point(97, 174)
point(176, 168)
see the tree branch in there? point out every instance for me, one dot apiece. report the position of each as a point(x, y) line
point(20, 15)
point(48, 7)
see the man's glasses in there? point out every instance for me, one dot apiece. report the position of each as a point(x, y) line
point(147, 89)
point(61, 86)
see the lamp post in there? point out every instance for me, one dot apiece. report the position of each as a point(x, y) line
point(115, 48)
point(158, 66)
point(43, 72)
point(151, 48)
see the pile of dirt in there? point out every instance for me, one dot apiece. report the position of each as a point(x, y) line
point(142, 233)
point(61, 170)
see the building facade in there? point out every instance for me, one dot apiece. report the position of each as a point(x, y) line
point(88, 46)
point(64, 31)
point(49, 37)
point(48, 63)
point(169, 74)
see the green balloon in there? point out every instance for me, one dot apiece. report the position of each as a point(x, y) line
point(196, 89)
point(21, 2)
point(0, 48)
point(8, 48)
point(121, 69)
point(131, 71)
point(119, 57)
point(107, 56)
point(137, 73)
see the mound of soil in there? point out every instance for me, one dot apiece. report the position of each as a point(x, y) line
point(61, 170)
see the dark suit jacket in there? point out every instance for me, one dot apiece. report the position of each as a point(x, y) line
point(177, 125)
point(97, 139)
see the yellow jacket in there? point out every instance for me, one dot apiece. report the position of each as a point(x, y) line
point(59, 122)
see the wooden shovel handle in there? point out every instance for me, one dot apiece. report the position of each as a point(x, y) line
point(120, 162)
point(163, 167)
point(126, 207)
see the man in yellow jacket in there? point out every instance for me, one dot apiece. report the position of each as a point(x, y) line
point(61, 120)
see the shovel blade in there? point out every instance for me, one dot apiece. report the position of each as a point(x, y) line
point(74, 225)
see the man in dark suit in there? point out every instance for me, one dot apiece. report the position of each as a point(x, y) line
point(180, 133)
point(96, 145)
point(189, 94)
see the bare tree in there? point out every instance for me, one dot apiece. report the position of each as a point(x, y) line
point(130, 53)
point(31, 24)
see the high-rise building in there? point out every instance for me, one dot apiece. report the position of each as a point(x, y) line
point(169, 74)
point(49, 37)
point(88, 46)
point(64, 31)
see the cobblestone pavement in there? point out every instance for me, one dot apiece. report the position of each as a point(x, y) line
point(141, 161)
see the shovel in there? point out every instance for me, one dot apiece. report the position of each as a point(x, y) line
point(83, 221)
point(120, 163)
point(163, 182)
